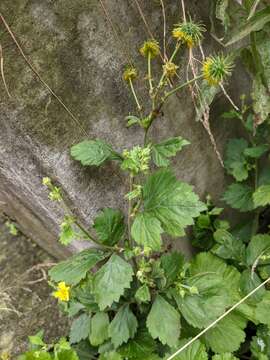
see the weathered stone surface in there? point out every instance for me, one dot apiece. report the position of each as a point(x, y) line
point(73, 47)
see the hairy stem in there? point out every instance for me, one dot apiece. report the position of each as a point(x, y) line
point(134, 95)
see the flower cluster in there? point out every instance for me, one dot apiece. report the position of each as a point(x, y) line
point(150, 48)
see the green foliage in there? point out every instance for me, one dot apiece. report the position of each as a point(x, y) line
point(80, 329)
point(236, 163)
point(167, 149)
point(110, 226)
point(111, 280)
point(167, 330)
point(74, 269)
point(195, 351)
point(99, 328)
point(123, 327)
point(239, 196)
point(93, 152)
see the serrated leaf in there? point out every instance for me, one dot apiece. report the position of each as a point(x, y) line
point(228, 247)
point(258, 246)
point(261, 196)
point(99, 328)
point(196, 351)
point(206, 96)
point(123, 327)
point(261, 101)
point(112, 355)
point(201, 309)
point(172, 264)
point(239, 196)
point(248, 282)
point(111, 280)
point(80, 329)
point(235, 161)
point(143, 294)
point(34, 355)
point(262, 312)
point(139, 347)
point(167, 330)
point(166, 149)
point(110, 226)
point(256, 151)
point(260, 344)
point(93, 152)
point(172, 202)
point(146, 230)
point(226, 356)
point(67, 355)
point(255, 23)
point(74, 269)
point(132, 120)
point(227, 335)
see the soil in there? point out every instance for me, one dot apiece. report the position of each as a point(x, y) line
point(26, 303)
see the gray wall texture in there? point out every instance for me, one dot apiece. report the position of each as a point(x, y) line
point(72, 45)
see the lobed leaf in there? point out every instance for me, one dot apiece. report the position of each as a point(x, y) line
point(166, 149)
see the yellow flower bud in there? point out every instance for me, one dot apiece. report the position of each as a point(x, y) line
point(170, 69)
point(150, 48)
point(130, 74)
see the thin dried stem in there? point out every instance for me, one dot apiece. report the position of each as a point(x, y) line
point(218, 320)
point(28, 62)
point(164, 29)
point(183, 10)
point(2, 71)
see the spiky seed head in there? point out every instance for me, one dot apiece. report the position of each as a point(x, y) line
point(130, 73)
point(150, 48)
point(216, 69)
point(190, 33)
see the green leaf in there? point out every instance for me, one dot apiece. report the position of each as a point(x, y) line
point(67, 233)
point(34, 355)
point(132, 120)
point(167, 330)
point(227, 335)
point(123, 327)
point(262, 312)
point(112, 355)
point(146, 230)
point(80, 329)
point(172, 202)
point(67, 355)
point(99, 328)
point(261, 196)
point(73, 270)
point(172, 264)
point(258, 246)
point(226, 356)
point(166, 149)
point(256, 151)
point(260, 344)
point(139, 347)
point(111, 280)
point(248, 282)
point(255, 23)
point(93, 152)
point(228, 247)
point(201, 309)
point(110, 226)
point(239, 196)
point(205, 262)
point(235, 161)
point(196, 351)
point(143, 294)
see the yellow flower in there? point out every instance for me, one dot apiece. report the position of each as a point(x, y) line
point(130, 74)
point(170, 69)
point(189, 33)
point(216, 68)
point(5, 356)
point(150, 48)
point(62, 292)
point(46, 181)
